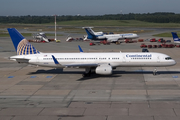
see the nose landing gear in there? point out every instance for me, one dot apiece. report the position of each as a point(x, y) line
point(155, 71)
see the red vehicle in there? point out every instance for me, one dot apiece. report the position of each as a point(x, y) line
point(164, 45)
point(149, 46)
point(171, 46)
point(143, 45)
point(161, 40)
point(140, 40)
point(153, 40)
point(126, 40)
point(105, 42)
point(178, 46)
point(159, 46)
point(134, 41)
point(91, 44)
point(154, 46)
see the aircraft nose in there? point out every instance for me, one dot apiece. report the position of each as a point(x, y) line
point(173, 62)
point(136, 35)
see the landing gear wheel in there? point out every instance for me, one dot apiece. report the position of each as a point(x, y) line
point(87, 72)
point(155, 72)
point(86, 75)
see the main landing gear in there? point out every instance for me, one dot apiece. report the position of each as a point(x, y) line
point(87, 73)
point(155, 71)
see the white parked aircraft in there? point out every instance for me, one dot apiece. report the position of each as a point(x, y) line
point(101, 63)
point(41, 36)
point(110, 38)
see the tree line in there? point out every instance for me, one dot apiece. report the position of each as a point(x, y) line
point(158, 17)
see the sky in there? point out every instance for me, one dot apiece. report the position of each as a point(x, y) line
point(85, 7)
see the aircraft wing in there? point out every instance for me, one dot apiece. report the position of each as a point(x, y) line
point(82, 65)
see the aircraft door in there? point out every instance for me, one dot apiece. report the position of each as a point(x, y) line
point(158, 59)
point(124, 59)
point(99, 58)
point(37, 58)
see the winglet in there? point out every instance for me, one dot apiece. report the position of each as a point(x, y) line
point(55, 60)
point(80, 49)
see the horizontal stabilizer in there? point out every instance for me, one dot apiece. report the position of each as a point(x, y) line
point(19, 60)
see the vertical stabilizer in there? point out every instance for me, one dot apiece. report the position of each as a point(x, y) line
point(90, 32)
point(175, 37)
point(22, 46)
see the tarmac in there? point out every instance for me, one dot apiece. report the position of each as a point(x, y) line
point(132, 93)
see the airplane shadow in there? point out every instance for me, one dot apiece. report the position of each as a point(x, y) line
point(116, 74)
point(55, 71)
point(146, 72)
point(93, 76)
point(60, 71)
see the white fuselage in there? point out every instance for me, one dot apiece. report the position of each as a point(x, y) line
point(110, 37)
point(113, 59)
point(123, 36)
point(116, 37)
point(177, 42)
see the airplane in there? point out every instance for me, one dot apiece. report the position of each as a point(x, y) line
point(175, 37)
point(100, 63)
point(110, 38)
point(41, 36)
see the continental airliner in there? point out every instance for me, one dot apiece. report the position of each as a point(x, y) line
point(110, 38)
point(100, 63)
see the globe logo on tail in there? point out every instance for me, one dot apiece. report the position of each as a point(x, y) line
point(25, 48)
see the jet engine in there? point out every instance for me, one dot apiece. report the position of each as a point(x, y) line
point(104, 69)
point(101, 37)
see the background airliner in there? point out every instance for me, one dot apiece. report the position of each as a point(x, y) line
point(175, 37)
point(110, 38)
point(101, 63)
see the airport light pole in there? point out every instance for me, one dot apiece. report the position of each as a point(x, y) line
point(55, 28)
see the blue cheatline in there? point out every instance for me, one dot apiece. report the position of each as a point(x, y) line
point(22, 46)
point(33, 77)
point(10, 76)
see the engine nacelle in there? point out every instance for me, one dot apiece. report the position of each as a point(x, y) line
point(104, 70)
point(101, 37)
point(98, 33)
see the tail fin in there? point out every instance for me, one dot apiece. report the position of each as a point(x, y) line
point(90, 32)
point(175, 36)
point(22, 46)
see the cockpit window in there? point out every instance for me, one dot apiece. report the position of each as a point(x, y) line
point(168, 58)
